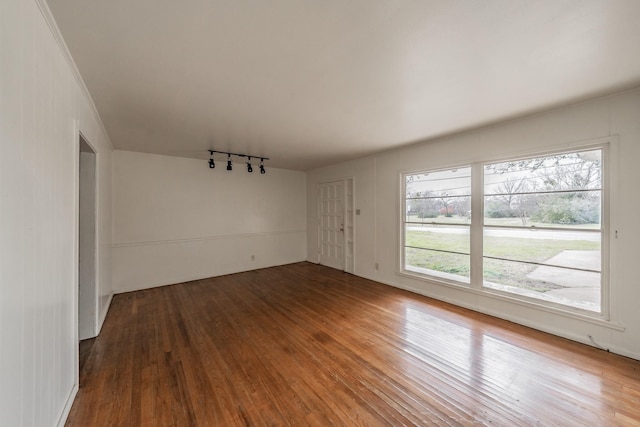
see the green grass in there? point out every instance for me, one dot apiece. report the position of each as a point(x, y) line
point(438, 261)
point(533, 250)
point(502, 272)
point(438, 241)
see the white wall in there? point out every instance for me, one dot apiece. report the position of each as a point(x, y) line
point(377, 196)
point(177, 220)
point(43, 106)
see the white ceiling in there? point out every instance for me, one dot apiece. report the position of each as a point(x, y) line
point(312, 82)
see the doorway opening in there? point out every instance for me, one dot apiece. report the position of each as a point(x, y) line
point(87, 243)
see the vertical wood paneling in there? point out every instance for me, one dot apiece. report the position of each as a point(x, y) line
point(40, 98)
point(11, 291)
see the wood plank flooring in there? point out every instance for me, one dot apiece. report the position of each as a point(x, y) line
point(306, 345)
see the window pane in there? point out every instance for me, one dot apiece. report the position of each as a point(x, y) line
point(570, 249)
point(575, 288)
point(441, 251)
point(559, 192)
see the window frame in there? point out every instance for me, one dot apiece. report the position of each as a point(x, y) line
point(609, 150)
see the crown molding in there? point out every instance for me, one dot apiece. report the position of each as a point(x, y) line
point(57, 35)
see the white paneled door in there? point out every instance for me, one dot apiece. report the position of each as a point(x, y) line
point(331, 224)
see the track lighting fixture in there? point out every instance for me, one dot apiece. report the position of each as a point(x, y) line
point(212, 163)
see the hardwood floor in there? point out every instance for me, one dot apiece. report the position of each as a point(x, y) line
point(307, 345)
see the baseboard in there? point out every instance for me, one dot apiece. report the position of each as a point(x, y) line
point(67, 406)
point(191, 278)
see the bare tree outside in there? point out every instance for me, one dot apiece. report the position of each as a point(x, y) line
point(561, 189)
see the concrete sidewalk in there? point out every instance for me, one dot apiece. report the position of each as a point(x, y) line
point(581, 286)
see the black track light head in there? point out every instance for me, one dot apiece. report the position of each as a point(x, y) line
point(249, 167)
point(262, 171)
point(229, 165)
point(212, 164)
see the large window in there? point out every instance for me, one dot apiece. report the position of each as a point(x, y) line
point(538, 234)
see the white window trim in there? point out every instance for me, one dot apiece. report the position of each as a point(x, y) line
point(610, 153)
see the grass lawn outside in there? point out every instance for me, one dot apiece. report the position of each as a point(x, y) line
point(517, 251)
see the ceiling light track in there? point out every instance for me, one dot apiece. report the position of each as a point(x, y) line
point(212, 163)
